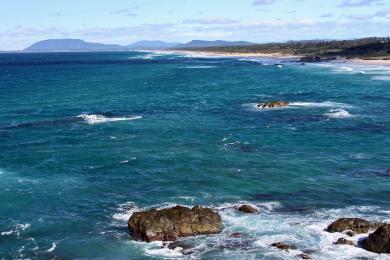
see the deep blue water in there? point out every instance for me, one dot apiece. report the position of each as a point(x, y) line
point(87, 138)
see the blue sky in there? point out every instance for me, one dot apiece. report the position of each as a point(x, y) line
point(23, 22)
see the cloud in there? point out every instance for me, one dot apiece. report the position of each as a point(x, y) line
point(327, 15)
point(358, 3)
point(263, 2)
point(207, 21)
point(359, 16)
point(126, 11)
point(383, 12)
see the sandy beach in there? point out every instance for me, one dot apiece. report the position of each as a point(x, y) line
point(372, 62)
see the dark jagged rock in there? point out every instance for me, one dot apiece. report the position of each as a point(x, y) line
point(349, 233)
point(236, 234)
point(357, 225)
point(172, 223)
point(304, 256)
point(316, 59)
point(185, 247)
point(379, 241)
point(273, 104)
point(283, 246)
point(247, 209)
point(343, 241)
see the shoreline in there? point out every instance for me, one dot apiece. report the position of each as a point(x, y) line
point(380, 62)
point(235, 54)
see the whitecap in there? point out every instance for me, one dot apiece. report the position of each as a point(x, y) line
point(198, 67)
point(52, 248)
point(338, 113)
point(320, 104)
point(98, 119)
point(18, 228)
point(124, 212)
point(384, 78)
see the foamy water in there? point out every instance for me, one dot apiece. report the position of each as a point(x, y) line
point(306, 231)
point(99, 119)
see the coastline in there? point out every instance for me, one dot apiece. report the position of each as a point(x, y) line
point(379, 62)
point(371, 62)
point(234, 54)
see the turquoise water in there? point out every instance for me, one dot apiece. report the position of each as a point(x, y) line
point(87, 138)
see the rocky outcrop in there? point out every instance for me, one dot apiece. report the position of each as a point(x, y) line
point(273, 104)
point(379, 241)
point(172, 223)
point(283, 246)
point(343, 241)
point(357, 225)
point(247, 209)
point(316, 59)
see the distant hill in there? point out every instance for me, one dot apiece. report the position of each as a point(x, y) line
point(151, 45)
point(206, 44)
point(378, 47)
point(71, 45)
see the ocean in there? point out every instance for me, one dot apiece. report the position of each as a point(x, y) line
point(88, 138)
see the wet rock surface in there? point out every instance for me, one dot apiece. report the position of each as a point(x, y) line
point(172, 223)
point(356, 225)
point(247, 209)
point(343, 241)
point(283, 246)
point(379, 241)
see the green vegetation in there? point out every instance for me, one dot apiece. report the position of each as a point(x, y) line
point(365, 48)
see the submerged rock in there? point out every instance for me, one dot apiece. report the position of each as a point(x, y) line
point(172, 223)
point(283, 246)
point(379, 241)
point(247, 209)
point(343, 241)
point(272, 104)
point(357, 225)
point(304, 256)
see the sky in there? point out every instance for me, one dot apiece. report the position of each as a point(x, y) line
point(23, 22)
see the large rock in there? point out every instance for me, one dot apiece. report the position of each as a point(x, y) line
point(247, 209)
point(272, 104)
point(343, 241)
point(283, 246)
point(171, 223)
point(379, 241)
point(357, 225)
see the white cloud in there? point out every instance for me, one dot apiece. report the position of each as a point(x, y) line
point(358, 3)
point(207, 21)
point(263, 2)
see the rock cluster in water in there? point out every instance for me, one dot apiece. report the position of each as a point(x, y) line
point(172, 223)
point(378, 241)
point(356, 225)
point(273, 104)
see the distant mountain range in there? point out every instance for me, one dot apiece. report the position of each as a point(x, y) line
point(76, 45)
point(70, 45)
point(205, 44)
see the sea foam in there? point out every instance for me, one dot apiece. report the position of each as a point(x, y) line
point(99, 119)
point(338, 113)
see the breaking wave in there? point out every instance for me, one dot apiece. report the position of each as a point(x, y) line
point(99, 119)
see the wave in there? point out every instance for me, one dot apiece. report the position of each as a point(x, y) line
point(384, 78)
point(305, 230)
point(17, 230)
point(338, 113)
point(325, 104)
point(99, 119)
point(198, 67)
point(52, 248)
point(320, 104)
